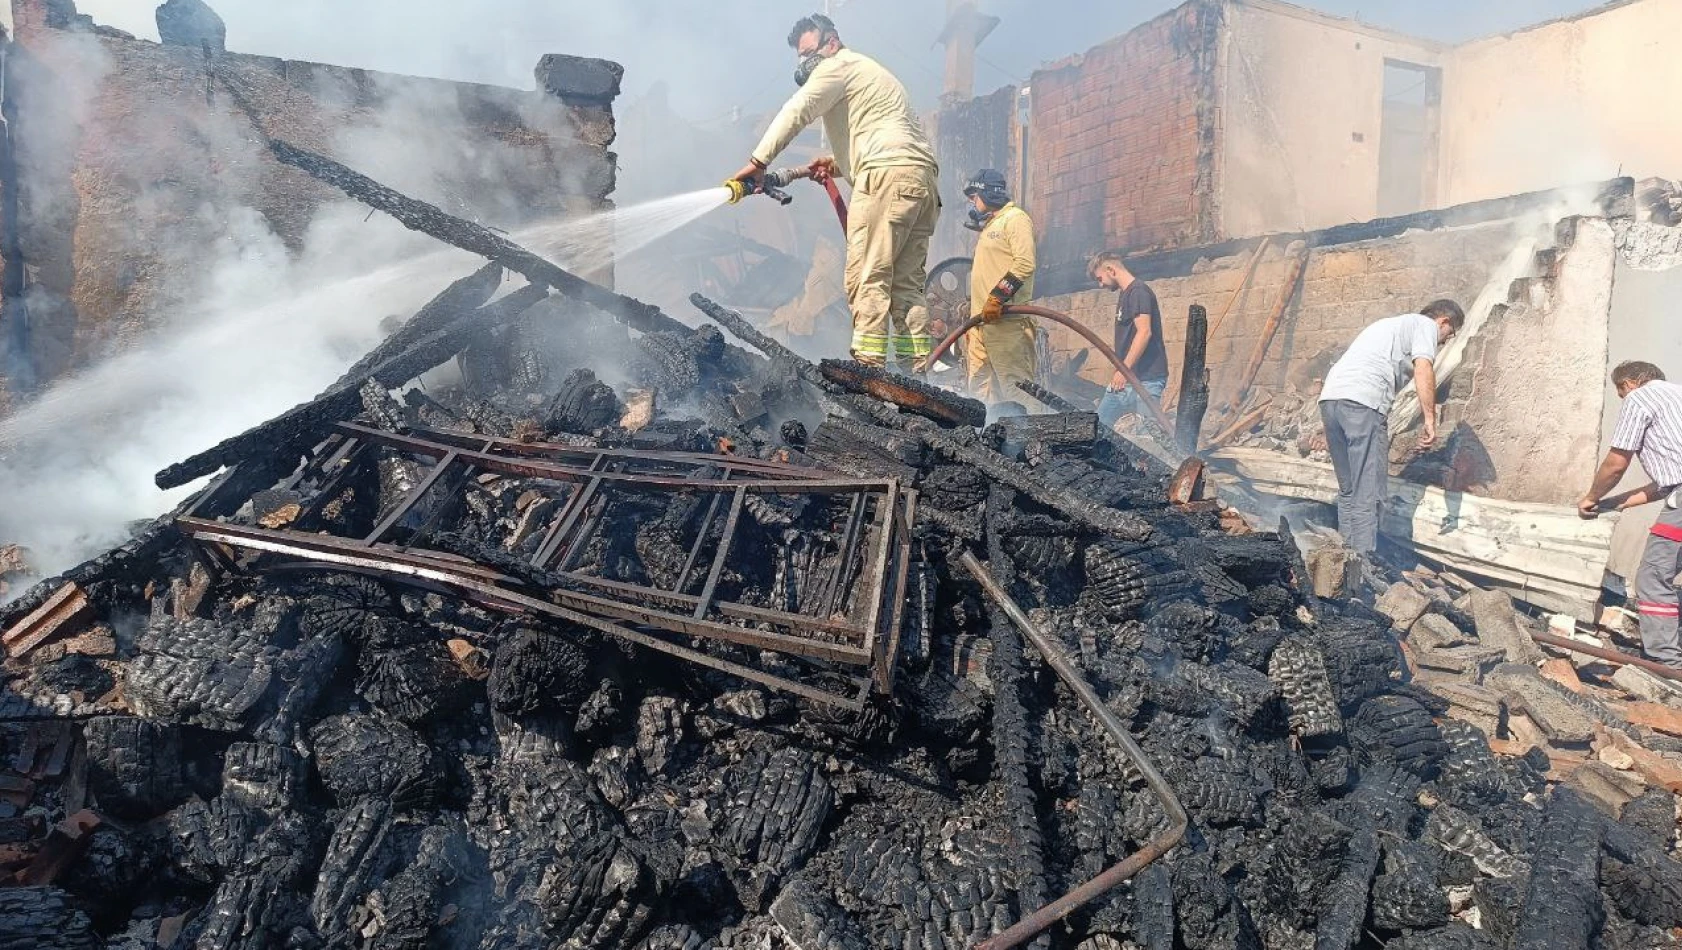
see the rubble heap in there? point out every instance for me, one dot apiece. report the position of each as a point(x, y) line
point(253, 755)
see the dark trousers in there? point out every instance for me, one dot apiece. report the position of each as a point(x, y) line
point(1358, 438)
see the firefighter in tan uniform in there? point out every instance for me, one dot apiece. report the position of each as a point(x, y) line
point(1000, 351)
point(881, 150)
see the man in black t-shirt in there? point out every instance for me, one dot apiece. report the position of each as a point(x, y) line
point(1138, 337)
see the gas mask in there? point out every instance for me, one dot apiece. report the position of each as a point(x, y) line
point(978, 219)
point(803, 69)
point(809, 62)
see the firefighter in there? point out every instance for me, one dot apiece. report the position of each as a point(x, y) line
point(882, 151)
point(1000, 352)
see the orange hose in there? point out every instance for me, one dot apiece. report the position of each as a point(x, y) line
point(1027, 310)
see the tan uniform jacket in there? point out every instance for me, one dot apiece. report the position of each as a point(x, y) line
point(1006, 247)
point(866, 114)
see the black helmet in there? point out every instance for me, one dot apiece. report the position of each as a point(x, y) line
point(990, 184)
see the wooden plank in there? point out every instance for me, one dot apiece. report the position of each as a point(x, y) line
point(63, 846)
point(1563, 673)
point(62, 610)
point(1511, 747)
point(1656, 769)
point(1655, 716)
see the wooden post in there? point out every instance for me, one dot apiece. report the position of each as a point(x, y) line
point(1265, 341)
point(1194, 380)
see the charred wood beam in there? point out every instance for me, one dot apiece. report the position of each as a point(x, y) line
point(456, 301)
point(741, 329)
point(903, 391)
point(127, 563)
point(1141, 459)
point(1107, 521)
point(1058, 430)
point(865, 451)
point(419, 216)
point(1194, 381)
point(801, 367)
point(1052, 401)
point(303, 425)
point(1007, 668)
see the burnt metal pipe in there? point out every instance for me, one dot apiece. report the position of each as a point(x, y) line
point(1026, 310)
point(1610, 656)
point(1041, 920)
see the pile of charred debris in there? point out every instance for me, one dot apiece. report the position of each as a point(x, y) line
point(743, 653)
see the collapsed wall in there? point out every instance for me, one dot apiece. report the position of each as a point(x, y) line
point(1534, 280)
point(137, 164)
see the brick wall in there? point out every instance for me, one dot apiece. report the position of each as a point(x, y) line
point(1121, 143)
point(137, 164)
point(1344, 288)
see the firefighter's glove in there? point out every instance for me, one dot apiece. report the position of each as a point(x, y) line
point(999, 297)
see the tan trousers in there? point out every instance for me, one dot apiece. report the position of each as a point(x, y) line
point(889, 225)
point(999, 355)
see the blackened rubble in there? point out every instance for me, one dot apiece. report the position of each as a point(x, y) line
point(282, 753)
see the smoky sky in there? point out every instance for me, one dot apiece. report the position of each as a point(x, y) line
point(722, 55)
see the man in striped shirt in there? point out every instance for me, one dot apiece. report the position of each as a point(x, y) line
point(1650, 429)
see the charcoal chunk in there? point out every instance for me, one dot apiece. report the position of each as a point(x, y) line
point(1406, 895)
point(197, 672)
point(583, 405)
point(1397, 729)
point(812, 920)
point(1297, 668)
point(777, 811)
point(1562, 906)
point(536, 671)
point(43, 918)
point(262, 904)
point(134, 766)
point(412, 684)
point(368, 756)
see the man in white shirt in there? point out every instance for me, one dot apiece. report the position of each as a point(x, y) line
point(1355, 406)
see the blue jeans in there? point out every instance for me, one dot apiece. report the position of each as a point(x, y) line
point(1114, 405)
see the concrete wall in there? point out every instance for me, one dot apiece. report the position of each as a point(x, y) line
point(1301, 103)
point(1564, 102)
point(1121, 141)
point(1643, 321)
point(139, 165)
point(1535, 396)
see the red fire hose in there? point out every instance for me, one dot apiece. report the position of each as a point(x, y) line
point(836, 200)
point(1145, 398)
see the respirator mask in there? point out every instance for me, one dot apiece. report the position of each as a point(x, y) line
point(978, 219)
point(809, 62)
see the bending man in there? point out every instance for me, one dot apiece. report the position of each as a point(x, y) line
point(1000, 352)
point(1649, 429)
point(881, 150)
point(1355, 406)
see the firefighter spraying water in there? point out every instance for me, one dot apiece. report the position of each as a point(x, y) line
point(883, 153)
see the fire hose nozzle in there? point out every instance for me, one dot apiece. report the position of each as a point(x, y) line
point(768, 185)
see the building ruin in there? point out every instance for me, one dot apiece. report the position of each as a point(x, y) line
point(706, 657)
point(1401, 170)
